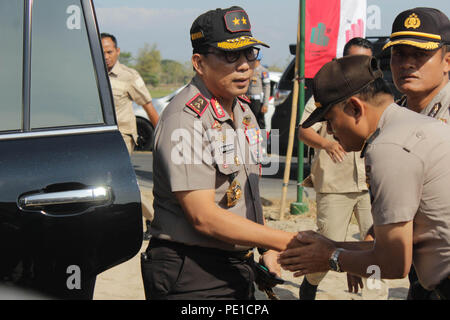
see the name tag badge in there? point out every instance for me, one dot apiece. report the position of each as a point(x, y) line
point(226, 148)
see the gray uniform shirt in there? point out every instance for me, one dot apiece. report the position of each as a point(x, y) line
point(439, 106)
point(198, 147)
point(259, 88)
point(407, 166)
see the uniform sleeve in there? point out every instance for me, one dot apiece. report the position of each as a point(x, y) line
point(309, 108)
point(395, 177)
point(138, 91)
point(184, 154)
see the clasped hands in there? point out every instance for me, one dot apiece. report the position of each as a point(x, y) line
point(310, 252)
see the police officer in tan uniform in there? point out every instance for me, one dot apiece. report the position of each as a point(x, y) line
point(127, 86)
point(339, 179)
point(259, 92)
point(208, 213)
point(407, 157)
point(420, 64)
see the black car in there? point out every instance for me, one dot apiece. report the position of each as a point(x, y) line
point(70, 204)
point(283, 97)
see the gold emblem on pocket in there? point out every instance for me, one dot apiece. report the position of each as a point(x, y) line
point(234, 193)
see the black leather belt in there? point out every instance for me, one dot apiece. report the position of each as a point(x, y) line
point(240, 255)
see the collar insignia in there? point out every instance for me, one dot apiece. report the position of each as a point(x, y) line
point(218, 110)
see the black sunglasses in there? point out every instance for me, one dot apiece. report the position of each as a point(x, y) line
point(232, 56)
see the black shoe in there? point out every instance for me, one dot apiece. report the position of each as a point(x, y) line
point(147, 234)
point(307, 291)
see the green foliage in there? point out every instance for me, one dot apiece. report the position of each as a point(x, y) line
point(148, 64)
point(174, 72)
point(126, 58)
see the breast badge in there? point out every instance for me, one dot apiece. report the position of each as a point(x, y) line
point(234, 193)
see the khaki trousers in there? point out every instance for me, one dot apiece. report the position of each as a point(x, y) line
point(334, 212)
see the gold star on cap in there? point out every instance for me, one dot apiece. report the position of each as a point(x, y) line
point(236, 21)
point(244, 21)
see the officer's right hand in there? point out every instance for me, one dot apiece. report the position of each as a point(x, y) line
point(335, 151)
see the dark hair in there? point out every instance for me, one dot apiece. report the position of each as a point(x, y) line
point(107, 35)
point(359, 42)
point(379, 86)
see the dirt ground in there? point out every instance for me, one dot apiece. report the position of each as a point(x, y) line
point(124, 281)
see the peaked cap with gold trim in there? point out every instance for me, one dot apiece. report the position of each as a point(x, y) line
point(225, 29)
point(424, 28)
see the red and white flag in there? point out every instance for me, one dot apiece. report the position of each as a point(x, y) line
point(330, 24)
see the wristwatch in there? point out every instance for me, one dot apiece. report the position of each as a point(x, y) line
point(334, 260)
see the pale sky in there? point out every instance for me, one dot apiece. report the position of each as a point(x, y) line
point(167, 23)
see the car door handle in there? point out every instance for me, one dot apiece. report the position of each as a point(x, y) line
point(96, 195)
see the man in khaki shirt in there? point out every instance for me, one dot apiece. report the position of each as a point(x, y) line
point(127, 86)
point(407, 156)
point(339, 180)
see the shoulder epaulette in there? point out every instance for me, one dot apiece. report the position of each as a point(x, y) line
point(244, 98)
point(198, 104)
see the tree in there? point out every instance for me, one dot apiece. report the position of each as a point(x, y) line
point(126, 58)
point(148, 64)
point(173, 72)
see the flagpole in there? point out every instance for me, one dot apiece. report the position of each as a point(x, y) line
point(299, 206)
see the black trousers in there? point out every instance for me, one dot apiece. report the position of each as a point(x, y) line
point(172, 271)
point(417, 292)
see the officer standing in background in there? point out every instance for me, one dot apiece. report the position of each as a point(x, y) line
point(406, 156)
point(420, 65)
point(259, 92)
point(127, 86)
point(208, 213)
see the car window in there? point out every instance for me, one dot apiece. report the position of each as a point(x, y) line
point(11, 30)
point(64, 88)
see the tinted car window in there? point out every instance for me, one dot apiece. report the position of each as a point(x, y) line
point(11, 29)
point(64, 89)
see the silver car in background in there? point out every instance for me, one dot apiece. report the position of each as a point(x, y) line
point(144, 126)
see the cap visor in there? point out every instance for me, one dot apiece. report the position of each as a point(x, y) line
point(425, 45)
point(239, 43)
point(316, 116)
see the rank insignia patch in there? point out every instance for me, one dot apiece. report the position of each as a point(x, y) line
point(198, 104)
point(237, 21)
